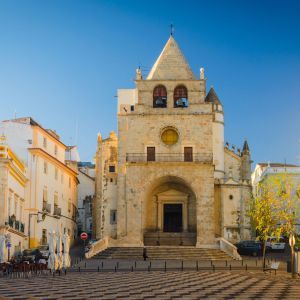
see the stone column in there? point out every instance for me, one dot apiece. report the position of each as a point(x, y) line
point(205, 212)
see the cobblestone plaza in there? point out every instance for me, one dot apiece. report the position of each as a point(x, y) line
point(152, 285)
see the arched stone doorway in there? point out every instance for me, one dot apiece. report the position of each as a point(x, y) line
point(170, 213)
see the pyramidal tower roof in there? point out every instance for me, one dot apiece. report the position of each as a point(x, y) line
point(246, 147)
point(212, 97)
point(171, 64)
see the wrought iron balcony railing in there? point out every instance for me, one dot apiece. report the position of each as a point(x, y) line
point(57, 211)
point(46, 207)
point(169, 157)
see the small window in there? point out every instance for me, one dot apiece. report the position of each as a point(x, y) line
point(160, 96)
point(9, 203)
point(55, 150)
point(113, 217)
point(112, 169)
point(188, 153)
point(150, 153)
point(21, 212)
point(180, 96)
point(45, 195)
point(131, 107)
point(45, 200)
point(230, 197)
point(111, 180)
point(16, 206)
point(45, 142)
point(45, 167)
point(55, 200)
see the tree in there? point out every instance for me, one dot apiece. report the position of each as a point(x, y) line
point(288, 194)
point(274, 211)
point(263, 213)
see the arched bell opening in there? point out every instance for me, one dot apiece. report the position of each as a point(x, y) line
point(160, 97)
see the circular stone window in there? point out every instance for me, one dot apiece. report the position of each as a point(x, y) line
point(169, 136)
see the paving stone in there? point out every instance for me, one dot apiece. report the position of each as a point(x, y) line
point(153, 285)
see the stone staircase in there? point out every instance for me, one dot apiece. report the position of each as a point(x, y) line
point(163, 253)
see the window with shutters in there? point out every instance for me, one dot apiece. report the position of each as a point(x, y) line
point(45, 167)
point(45, 198)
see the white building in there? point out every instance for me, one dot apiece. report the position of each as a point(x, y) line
point(86, 189)
point(265, 170)
point(51, 191)
point(13, 216)
point(86, 193)
point(262, 170)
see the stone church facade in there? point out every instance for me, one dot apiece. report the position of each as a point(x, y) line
point(167, 178)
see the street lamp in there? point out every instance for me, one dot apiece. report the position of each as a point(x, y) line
point(44, 215)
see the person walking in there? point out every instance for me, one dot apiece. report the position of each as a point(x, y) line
point(145, 256)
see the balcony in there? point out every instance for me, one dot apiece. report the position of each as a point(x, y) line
point(57, 211)
point(15, 224)
point(22, 227)
point(169, 157)
point(46, 207)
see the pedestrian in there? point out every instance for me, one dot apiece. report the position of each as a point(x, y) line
point(145, 256)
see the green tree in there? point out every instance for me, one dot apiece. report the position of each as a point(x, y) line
point(288, 192)
point(274, 211)
point(263, 213)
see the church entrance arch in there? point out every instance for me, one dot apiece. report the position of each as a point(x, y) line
point(170, 213)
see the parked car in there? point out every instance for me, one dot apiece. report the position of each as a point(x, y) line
point(44, 249)
point(274, 244)
point(249, 248)
point(31, 254)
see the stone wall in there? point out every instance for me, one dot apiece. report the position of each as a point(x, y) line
point(142, 179)
point(106, 186)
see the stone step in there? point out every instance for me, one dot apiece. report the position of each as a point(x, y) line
point(163, 253)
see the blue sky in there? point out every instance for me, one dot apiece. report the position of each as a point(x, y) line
point(61, 62)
